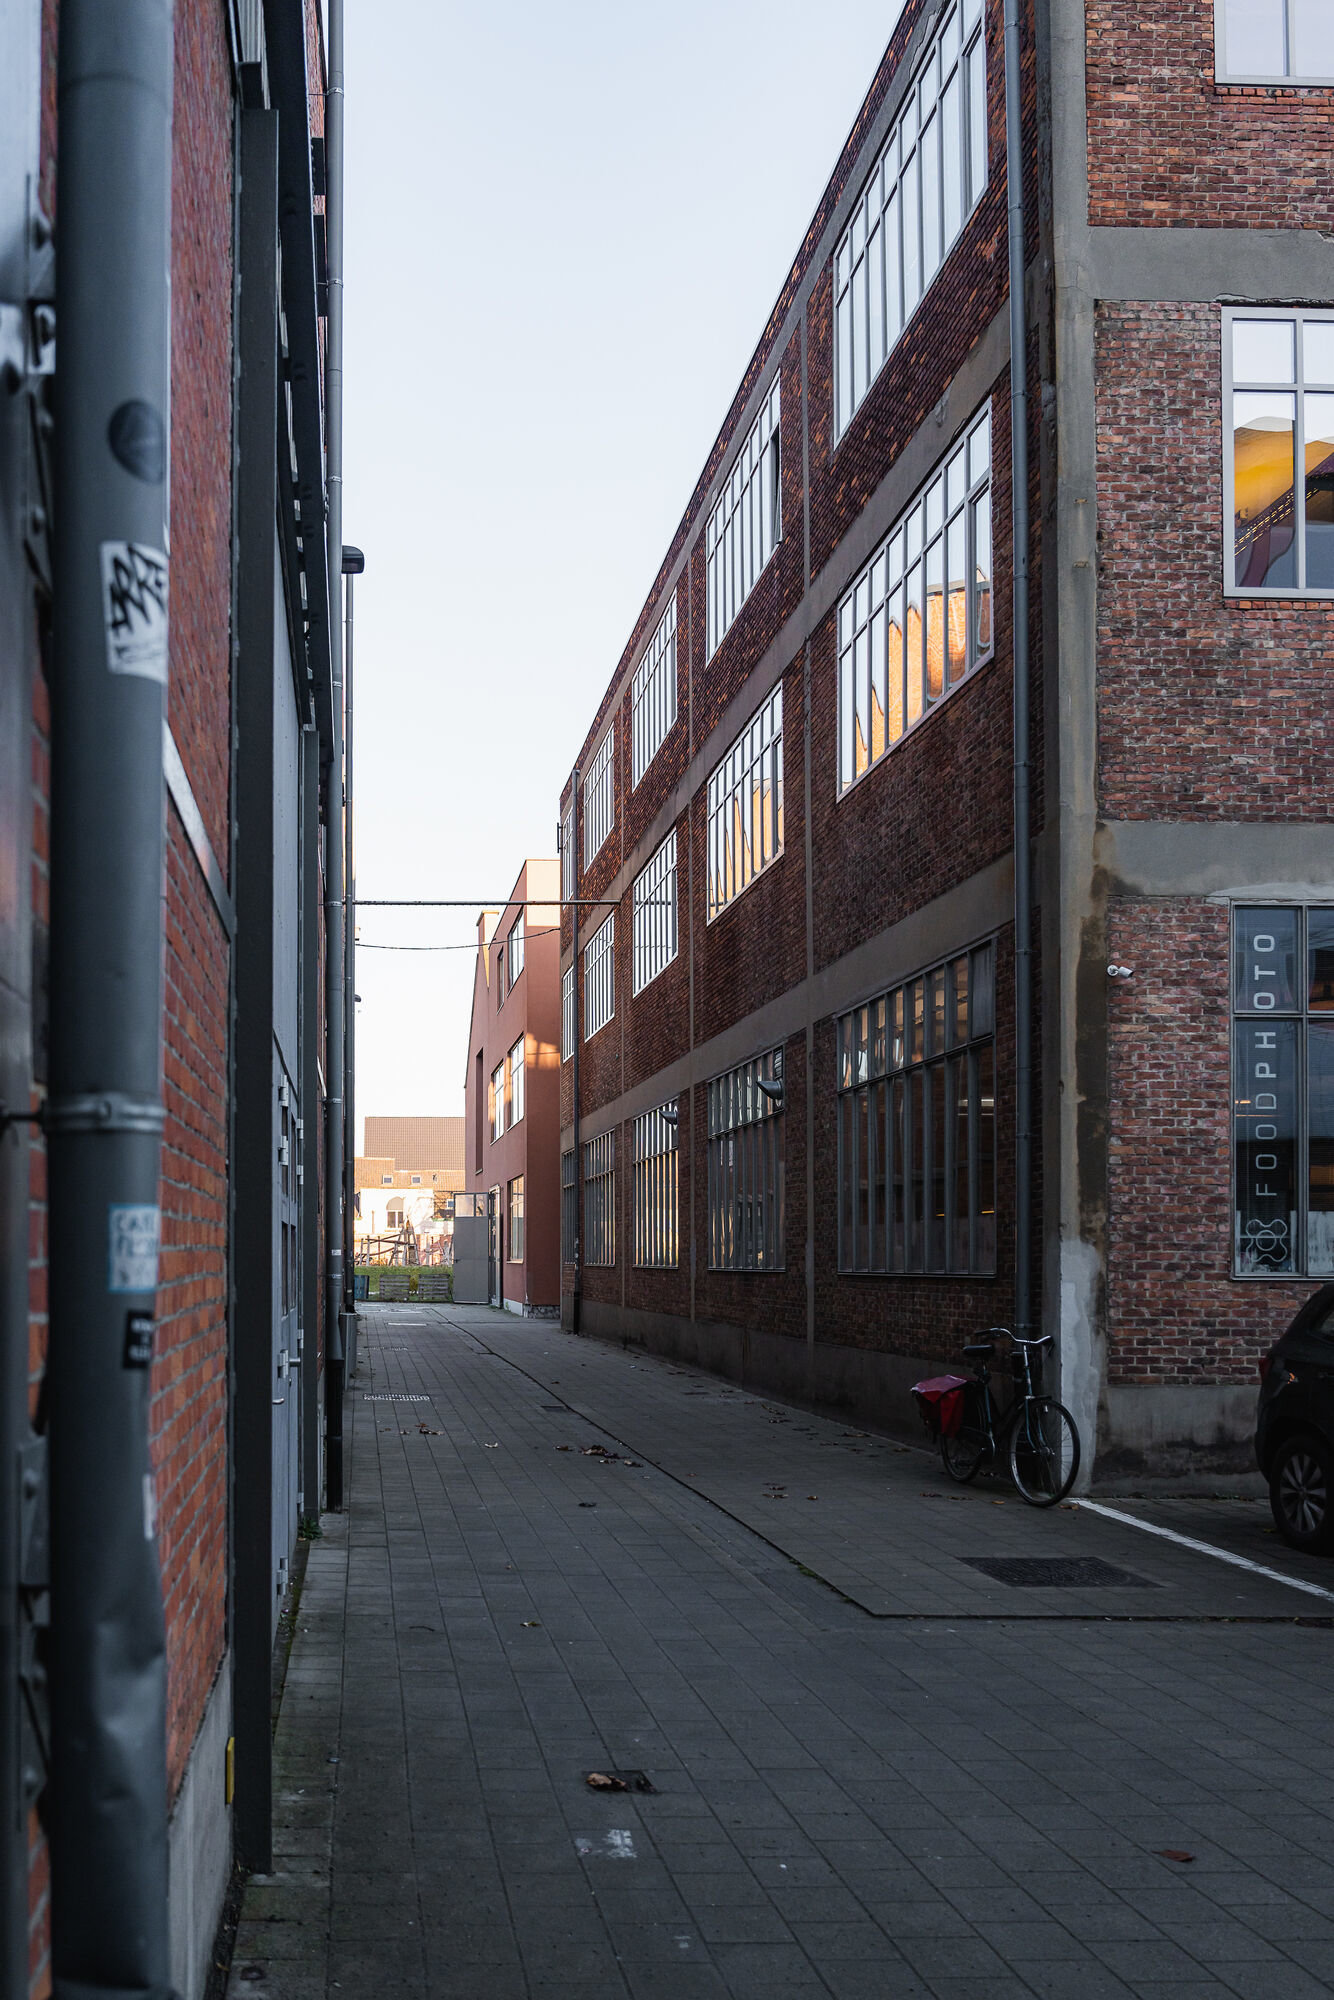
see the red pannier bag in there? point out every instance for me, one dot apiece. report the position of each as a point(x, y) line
point(940, 1403)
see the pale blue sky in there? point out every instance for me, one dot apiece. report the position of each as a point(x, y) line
point(565, 229)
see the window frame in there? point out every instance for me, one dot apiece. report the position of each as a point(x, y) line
point(1287, 79)
point(600, 973)
point(716, 809)
point(514, 1213)
point(516, 1081)
point(1296, 317)
point(653, 695)
point(599, 788)
point(569, 1208)
point(568, 1017)
point(725, 558)
point(599, 1153)
point(498, 1096)
point(855, 239)
point(567, 881)
point(751, 1086)
point(1302, 1017)
point(655, 1221)
point(647, 935)
point(514, 951)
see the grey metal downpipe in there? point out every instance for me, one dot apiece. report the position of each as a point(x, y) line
point(354, 563)
point(1023, 859)
point(577, 1294)
point(108, 1790)
point(334, 886)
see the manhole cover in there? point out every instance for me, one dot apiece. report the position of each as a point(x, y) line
point(1056, 1572)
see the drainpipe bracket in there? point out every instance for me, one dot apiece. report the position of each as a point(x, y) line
point(100, 1111)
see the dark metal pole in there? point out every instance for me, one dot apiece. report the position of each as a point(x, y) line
point(108, 1793)
point(1023, 887)
point(334, 936)
point(354, 563)
point(577, 1296)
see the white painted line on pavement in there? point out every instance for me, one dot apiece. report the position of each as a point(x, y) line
point(1208, 1549)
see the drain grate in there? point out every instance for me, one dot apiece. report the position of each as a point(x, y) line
point(1056, 1572)
point(395, 1397)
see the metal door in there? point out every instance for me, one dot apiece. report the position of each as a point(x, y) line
point(493, 1245)
point(286, 1331)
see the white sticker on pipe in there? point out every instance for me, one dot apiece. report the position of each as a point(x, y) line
point(150, 1508)
point(135, 1231)
point(134, 609)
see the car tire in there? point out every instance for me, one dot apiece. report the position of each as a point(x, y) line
point(1301, 1493)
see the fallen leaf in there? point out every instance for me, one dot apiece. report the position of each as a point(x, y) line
point(532, 1624)
point(632, 1462)
point(812, 1496)
point(565, 1447)
point(601, 1781)
point(1175, 1854)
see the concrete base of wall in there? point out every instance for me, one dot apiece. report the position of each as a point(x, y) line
point(1178, 1437)
point(199, 1844)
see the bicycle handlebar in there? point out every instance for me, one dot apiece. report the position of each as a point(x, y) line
point(1040, 1340)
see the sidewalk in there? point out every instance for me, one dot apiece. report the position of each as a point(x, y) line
point(965, 1792)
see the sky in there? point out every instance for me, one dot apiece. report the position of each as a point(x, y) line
point(566, 226)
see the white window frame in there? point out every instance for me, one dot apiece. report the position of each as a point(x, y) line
point(863, 273)
point(653, 695)
point(600, 797)
point(1289, 76)
point(599, 1166)
point(514, 947)
point(655, 942)
point(498, 1101)
point(655, 1193)
point(514, 1063)
point(567, 855)
point(600, 978)
point(1297, 318)
point(567, 1013)
point(954, 503)
point(745, 525)
point(732, 806)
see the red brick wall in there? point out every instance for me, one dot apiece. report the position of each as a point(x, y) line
point(1174, 1313)
point(1208, 707)
point(1168, 146)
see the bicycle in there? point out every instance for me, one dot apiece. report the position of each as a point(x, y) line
point(1043, 1441)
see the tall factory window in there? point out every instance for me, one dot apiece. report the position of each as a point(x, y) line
point(655, 941)
point(1279, 443)
point(745, 1191)
point(746, 524)
point(600, 1199)
point(655, 1187)
point(653, 695)
point(600, 978)
point(1257, 41)
point(600, 796)
point(746, 806)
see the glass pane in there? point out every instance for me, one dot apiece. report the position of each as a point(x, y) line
point(1263, 496)
point(935, 619)
point(878, 1022)
point(913, 644)
point(960, 1253)
point(912, 267)
point(1264, 961)
point(977, 118)
point(1320, 960)
point(982, 574)
point(1318, 349)
point(1312, 52)
point(951, 160)
point(936, 1222)
point(1264, 350)
point(983, 1000)
point(956, 600)
point(897, 1052)
point(985, 1229)
point(1254, 30)
point(894, 670)
point(1318, 450)
point(896, 1188)
point(1320, 1151)
point(936, 989)
point(862, 1195)
point(1264, 1145)
point(917, 1184)
point(916, 1017)
point(876, 1246)
point(875, 265)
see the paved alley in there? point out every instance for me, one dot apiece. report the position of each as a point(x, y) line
point(876, 1768)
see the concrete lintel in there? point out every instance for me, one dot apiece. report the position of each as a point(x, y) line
point(1270, 860)
point(1209, 265)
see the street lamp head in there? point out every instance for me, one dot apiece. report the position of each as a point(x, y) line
point(354, 562)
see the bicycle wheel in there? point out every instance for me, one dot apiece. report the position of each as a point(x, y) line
point(962, 1454)
point(1044, 1451)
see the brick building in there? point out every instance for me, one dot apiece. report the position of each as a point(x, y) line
point(512, 1103)
point(234, 1398)
point(790, 1014)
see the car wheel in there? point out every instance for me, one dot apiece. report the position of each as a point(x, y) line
point(1301, 1493)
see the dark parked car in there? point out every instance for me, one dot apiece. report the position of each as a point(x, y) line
point(1294, 1426)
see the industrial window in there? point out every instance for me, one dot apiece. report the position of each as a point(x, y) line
point(655, 941)
point(599, 797)
point(746, 806)
point(498, 1101)
point(919, 617)
point(600, 978)
point(600, 1199)
point(567, 1013)
point(569, 1208)
point(746, 524)
point(1283, 1092)
point(516, 1069)
point(1279, 427)
point(514, 951)
point(925, 185)
point(917, 1123)
point(1262, 40)
point(746, 1166)
point(655, 1187)
point(653, 695)
point(567, 855)
point(516, 1220)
